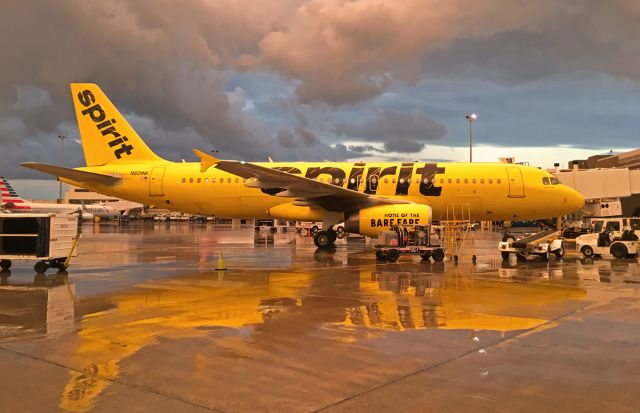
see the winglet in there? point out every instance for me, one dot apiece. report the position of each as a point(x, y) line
point(206, 160)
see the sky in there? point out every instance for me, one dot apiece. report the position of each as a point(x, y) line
point(319, 80)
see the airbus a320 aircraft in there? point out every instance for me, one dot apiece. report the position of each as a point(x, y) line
point(12, 202)
point(368, 196)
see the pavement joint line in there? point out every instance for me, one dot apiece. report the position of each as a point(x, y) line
point(494, 343)
point(125, 384)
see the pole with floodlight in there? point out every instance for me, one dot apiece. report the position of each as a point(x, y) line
point(62, 138)
point(471, 117)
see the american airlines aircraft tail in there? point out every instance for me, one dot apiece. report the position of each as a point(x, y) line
point(10, 197)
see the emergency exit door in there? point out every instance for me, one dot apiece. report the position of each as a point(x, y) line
point(155, 182)
point(516, 183)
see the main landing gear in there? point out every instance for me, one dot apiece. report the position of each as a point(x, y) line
point(325, 239)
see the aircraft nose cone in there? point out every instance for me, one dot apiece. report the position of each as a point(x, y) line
point(573, 199)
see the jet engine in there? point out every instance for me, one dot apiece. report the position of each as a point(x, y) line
point(373, 220)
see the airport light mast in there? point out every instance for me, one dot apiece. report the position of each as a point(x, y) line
point(62, 138)
point(471, 117)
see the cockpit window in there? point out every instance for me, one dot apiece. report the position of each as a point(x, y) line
point(545, 181)
point(554, 181)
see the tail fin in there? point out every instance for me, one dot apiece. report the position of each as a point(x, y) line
point(106, 135)
point(9, 195)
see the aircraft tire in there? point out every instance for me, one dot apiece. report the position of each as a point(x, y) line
point(505, 255)
point(332, 235)
point(5, 265)
point(425, 256)
point(559, 253)
point(438, 255)
point(322, 239)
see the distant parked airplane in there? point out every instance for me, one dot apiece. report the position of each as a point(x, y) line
point(12, 202)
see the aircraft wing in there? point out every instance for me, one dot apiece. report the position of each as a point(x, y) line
point(328, 196)
point(72, 174)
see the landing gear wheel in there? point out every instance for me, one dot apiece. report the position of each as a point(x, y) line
point(587, 251)
point(438, 255)
point(5, 265)
point(322, 239)
point(340, 234)
point(393, 255)
point(619, 250)
point(314, 230)
point(505, 255)
point(425, 256)
point(340, 230)
point(41, 267)
point(332, 235)
point(559, 253)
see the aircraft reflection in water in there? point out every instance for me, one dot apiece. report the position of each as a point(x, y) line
point(298, 304)
point(43, 307)
point(400, 301)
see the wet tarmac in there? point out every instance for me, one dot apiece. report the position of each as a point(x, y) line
point(144, 323)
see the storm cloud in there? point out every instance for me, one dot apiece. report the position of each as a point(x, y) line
point(332, 67)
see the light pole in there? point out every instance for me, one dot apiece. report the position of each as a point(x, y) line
point(471, 117)
point(62, 138)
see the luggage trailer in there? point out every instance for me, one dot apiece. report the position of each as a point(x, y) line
point(541, 244)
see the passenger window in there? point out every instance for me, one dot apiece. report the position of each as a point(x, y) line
point(457, 180)
point(244, 180)
point(184, 180)
point(206, 180)
point(198, 180)
point(237, 180)
point(481, 180)
point(190, 180)
point(449, 180)
point(489, 181)
point(393, 180)
point(221, 180)
point(386, 180)
point(473, 181)
point(441, 180)
point(228, 180)
point(466, 181)
point(213, 180)
point(545, 181)
point(498, 181)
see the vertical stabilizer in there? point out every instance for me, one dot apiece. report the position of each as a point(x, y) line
point(106, 135)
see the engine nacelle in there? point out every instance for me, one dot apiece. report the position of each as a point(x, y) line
point(373, 220)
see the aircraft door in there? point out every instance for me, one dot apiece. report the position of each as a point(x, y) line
point(155, 182)
point(516, 183)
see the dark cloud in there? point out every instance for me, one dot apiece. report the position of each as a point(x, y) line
point(400, 132)
point(171, 67)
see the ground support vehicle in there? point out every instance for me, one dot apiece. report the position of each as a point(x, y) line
point(49, 239)
point(408, 240)
point(542, 244)
point(625, 246)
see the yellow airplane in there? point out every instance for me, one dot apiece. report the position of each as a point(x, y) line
point(369, 196)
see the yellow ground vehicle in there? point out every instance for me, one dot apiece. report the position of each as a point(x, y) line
point(409, 240)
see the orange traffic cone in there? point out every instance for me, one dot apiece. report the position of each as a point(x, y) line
point(220, 266)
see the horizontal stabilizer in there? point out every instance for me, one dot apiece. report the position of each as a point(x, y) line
point(72, 174)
